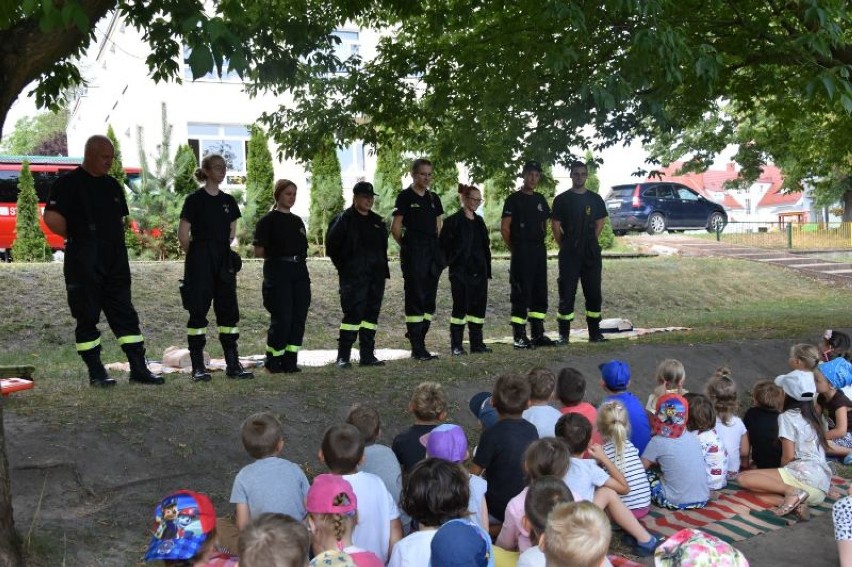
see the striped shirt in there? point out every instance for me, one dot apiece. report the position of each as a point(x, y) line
point(631, 467)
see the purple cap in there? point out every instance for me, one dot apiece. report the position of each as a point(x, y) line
point(447, 441)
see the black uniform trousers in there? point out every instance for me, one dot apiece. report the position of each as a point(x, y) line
point(470, 297)
point(97, 278)
point(361, 299)
point(584, 267)
point(206, 279)
point(528, 280)
point(287, 297)
point(421, 269)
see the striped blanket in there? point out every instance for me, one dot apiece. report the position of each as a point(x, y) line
point(733, 514)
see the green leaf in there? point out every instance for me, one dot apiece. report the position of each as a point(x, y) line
point(200, 61)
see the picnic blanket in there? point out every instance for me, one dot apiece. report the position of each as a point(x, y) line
point(734, 514)
point(582, 334)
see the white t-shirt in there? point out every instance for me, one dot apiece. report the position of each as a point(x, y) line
point(478, 488)
point(534, 557)
point(809, 466)
point(544, 418)
point(376, 510)
point(583, 477)
point(414, 550)
point(731, 436)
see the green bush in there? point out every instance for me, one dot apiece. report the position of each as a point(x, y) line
point(326, 193)
point(30, 243)
point(387, 181)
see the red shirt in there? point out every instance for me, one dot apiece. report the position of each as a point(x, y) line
point(588, 411)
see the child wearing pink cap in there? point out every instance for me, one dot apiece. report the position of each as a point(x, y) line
point(332, 514)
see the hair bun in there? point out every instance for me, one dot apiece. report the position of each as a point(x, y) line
point(463, 189)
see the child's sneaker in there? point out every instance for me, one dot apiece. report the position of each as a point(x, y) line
point(644, 549)
point(847, 460)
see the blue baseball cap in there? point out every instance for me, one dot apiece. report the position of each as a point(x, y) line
point(615, 374)
point(480, 406)
point(459, 543)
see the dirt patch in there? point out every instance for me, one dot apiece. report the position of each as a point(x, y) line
point(84, 490)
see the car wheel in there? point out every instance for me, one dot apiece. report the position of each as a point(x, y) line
point(656, 224)
point(716, 222)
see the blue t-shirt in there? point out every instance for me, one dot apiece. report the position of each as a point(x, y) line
point(640, 428)
point(271, 484)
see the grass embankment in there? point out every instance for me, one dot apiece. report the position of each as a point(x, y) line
point(719, 299)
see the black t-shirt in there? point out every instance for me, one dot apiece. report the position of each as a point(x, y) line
point(838, 402)
point(501, 453)
point(529, 213)
point(762, 427)
point(578, 212)
point(407, 446)
point(281, 234)
point(419, 215)
point(107, 206)
point(210, 215)
point(372, 233)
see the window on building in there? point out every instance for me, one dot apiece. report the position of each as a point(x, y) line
point(349, 46)
point(351, 159)
point(228, 140)
point(227, 73)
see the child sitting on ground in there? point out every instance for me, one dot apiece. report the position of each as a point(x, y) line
point(378, 459)
point(615, 378)
point(761, 421)
point(588, 482)
point(701, 422)
point(577, 534)
point(332, 515)
point(270, 484)
point(274, 540)
point(459, 543)
point(501, 446)
point(722, 391)
point(449, 442)
point(429, 406)
point(804, 477)
point(670, 378)
point(679, 457)
point(545, 457)
point(541, 413)
point(614, 426)
point(379, 527)
point(836, 405)
point(185, 533)
point(435, 492)
point(544, 493)
point(571, 389)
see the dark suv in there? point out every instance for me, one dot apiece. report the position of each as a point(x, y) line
point(659, 206)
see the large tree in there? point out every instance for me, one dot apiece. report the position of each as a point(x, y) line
point(43, 134)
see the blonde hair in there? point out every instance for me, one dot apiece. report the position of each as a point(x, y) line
point(614, 424)
point(670, 376)
point(577, 534)
point(767, 395)
point(341, 525)
point(429, 401)
point(722, 391)
point(206, 164)
point(808, 355)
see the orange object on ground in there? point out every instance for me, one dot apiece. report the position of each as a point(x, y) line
point(10, 385)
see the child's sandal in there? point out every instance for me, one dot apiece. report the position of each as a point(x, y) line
point(788, 507)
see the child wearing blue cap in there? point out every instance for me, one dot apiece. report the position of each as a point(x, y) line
point(615, 378)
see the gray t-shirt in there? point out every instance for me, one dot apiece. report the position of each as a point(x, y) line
point(381, 461)
point(681, 461)
point(271, 484)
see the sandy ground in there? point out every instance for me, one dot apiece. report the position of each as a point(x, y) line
point(89, 492)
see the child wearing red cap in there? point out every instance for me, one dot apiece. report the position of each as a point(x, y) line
point(332, 514)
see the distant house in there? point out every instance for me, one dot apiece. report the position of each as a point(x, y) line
point(762, 201)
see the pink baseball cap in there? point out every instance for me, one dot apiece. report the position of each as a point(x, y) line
point(325, 489)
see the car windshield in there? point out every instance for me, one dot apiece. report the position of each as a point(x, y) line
point(621, 192)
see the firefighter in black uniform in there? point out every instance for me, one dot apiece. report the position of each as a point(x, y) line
point(464, 241)
point(357, 243)
point(523, 228)
point(281, 239)
point(416, 224)
point(87, 207)
point(208, 223)
point(578, 219)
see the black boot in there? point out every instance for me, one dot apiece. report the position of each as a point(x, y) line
point(233, 368)
point(196, 355)
point(290, 362)
point(98, 376)
point(456, 338)
point(418, 345)
point(476, 344)
point(519, 332)
point(199, 369)
point(139, 372)
point(367, 348)
point(564, 332)
point(344, 348)
point(595, 335)
point(539, 339)
point(274, 364)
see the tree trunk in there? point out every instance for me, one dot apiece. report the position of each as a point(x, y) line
point(10, 545)
point(847, 206)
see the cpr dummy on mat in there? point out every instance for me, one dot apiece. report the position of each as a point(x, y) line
point(177, 357)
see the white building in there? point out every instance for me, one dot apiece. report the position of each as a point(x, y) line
point(211, 114)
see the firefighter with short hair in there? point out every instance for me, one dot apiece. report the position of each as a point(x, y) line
point(87, 207)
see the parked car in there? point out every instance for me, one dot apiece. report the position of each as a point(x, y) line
point(659, 206)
